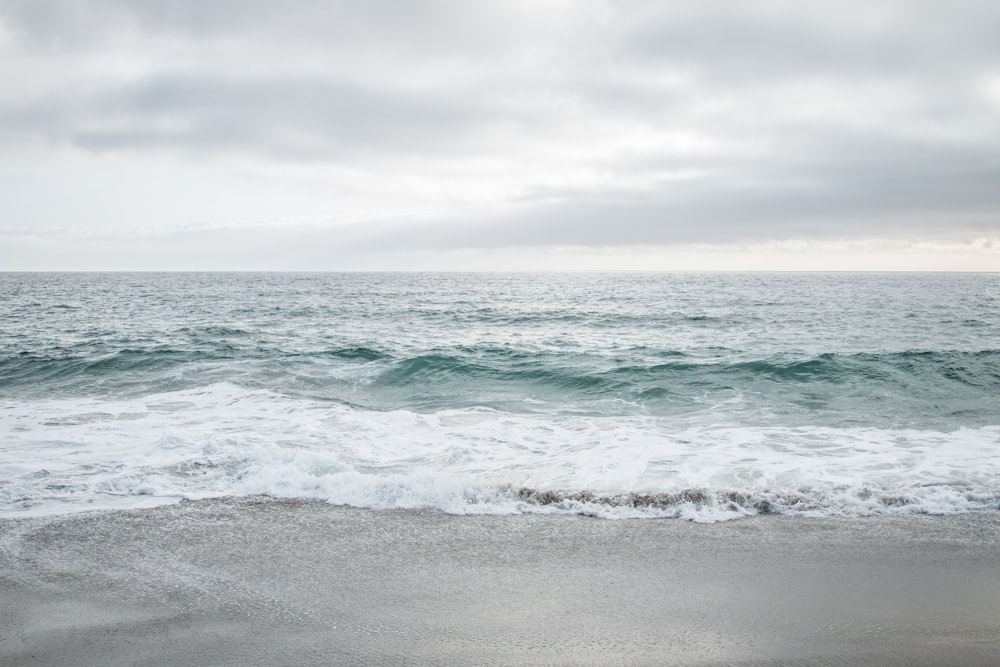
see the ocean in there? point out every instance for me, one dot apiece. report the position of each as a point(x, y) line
point(701, 396)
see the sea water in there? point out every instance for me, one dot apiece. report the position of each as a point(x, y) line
point(698, 395)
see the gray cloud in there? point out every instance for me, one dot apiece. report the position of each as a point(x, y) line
point(594, 123)
point(423, 28)
point(832, 37)
point(290, 119)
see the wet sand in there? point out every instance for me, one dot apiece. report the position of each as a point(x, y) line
point(264, 582)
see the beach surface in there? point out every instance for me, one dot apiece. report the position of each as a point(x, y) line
point(269, 582)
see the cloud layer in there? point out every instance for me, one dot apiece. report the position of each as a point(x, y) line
point(438, 126)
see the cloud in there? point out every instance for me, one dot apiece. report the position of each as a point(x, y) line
point(509, 124)
point(284, 119)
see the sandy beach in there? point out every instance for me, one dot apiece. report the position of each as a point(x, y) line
point(267, 582)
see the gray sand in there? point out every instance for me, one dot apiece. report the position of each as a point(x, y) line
point(263, 582)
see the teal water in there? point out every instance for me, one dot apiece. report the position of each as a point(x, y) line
point(478, 392)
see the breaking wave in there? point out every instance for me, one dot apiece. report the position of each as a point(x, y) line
point(706, 397)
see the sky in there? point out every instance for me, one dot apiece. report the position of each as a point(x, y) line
point(507, 135)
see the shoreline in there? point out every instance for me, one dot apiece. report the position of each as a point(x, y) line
point(263, 581)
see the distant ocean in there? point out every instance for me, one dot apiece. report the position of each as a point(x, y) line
point(700, 396)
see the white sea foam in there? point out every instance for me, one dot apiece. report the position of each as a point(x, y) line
point(63, 454)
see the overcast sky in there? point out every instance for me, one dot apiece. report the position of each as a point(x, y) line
point(499, 135)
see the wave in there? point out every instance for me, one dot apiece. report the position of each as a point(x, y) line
point(432, 492)
point(224, 439)
point(714, 505)
point(639, 374)
point(969, 367)
point(359, 354)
